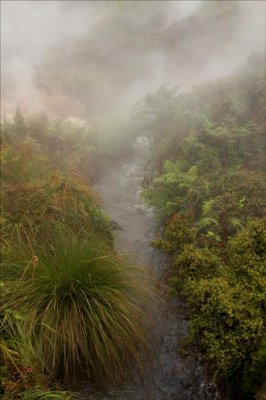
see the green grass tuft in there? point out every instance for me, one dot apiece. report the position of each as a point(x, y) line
point(83, 308)
point(42, 394)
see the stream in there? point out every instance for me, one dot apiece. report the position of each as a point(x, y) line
point(171, 376)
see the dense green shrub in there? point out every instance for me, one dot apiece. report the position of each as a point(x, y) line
point(194, 263)
point(178, 233)
point(208, 167)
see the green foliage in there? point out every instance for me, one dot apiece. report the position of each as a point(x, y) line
point(177, 234)
point(194, 263)
point(207, 161)
point(23, 161)
point(41, 394)
point(227, 323)
point(254, 370)
point(227, 299)
point(60, 146)
point(153, 115)
point(175, 191)
point(70, 304)
point(83, 308)
point(247, 252)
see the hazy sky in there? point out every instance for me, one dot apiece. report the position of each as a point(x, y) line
point(30, 29)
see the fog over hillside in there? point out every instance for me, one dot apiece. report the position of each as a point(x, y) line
point(133, 229)
point(89, 56)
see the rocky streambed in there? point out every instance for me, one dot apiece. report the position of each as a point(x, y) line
point(170, 375)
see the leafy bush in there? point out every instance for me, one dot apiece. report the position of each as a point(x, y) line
point(177, 234)
point(226, 323)
point(208, 167)
point(194, 263)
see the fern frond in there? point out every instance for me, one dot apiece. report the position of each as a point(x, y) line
point(206, 222)
point(236, 223)
point(207, 207)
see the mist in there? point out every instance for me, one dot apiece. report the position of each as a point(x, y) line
point(133, 199)
point(125, 49)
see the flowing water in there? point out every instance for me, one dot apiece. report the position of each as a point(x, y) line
point(171, 375)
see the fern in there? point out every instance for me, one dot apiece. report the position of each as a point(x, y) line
point(192, 174)
point(173, 175)
point(206, 222)
point(207, 207)
point(236, 223)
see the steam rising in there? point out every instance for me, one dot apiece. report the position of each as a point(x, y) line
point(184, 46)
point(29, 30)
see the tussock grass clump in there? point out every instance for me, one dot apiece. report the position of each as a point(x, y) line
point(71, 304)
point(19, 358)
point(42, 394)
point(84, 309)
